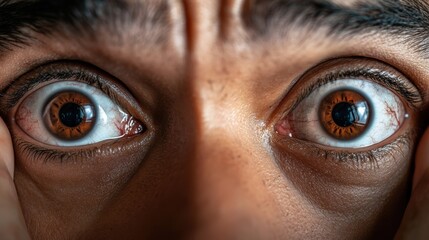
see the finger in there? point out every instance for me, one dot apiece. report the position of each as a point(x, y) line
point(415, 224)
point(422, 159)
point(12, 224)
point(6, 149)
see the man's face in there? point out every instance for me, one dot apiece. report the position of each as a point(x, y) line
point(256, 119)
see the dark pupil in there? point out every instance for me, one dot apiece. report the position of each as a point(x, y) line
point(71, 114)
point(344, 114)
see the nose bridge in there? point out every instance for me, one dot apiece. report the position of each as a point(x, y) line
point(223, 146)
point(227, 138)
point(227, 182)
point(229, 162)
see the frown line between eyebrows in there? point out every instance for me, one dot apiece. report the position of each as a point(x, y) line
point(80, 17)
point(408, 20)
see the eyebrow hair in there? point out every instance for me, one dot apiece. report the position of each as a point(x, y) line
point(408, 19)
point(78, 16)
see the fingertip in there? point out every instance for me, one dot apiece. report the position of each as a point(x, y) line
point(422, 159)
point(6, 148)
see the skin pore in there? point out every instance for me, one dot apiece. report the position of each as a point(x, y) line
point(213, 82)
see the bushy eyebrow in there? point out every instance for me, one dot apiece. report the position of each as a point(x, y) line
point(406, 19)
point(17, 17)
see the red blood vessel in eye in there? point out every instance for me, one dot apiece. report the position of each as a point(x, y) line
point(70, 115)
point(344, 114)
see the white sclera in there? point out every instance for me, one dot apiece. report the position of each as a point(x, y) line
point(108, 120)
point(387, 114)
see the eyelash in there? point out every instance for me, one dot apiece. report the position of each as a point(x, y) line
point(361, 160)
point(18, 89)
point(382, 77)
point(40, 154)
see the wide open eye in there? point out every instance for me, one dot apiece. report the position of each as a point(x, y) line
point(346, 113)
point(70, 113)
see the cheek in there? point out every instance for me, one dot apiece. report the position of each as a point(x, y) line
point(351, 201)
point(68, 197)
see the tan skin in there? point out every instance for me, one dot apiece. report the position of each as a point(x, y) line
point(213, 163)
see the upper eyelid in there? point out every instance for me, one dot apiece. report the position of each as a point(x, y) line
point(383, 77)
point(18, 88)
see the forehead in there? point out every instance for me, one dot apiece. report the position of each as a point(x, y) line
point(152, 24)
point(160, 15)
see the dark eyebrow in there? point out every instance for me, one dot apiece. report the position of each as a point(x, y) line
point(78, 16)
point(407, 19)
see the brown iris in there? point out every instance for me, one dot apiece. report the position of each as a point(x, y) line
point(70, 115)
point(344, 114)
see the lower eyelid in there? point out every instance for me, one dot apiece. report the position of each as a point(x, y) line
point(369, 159)
point(107, 149)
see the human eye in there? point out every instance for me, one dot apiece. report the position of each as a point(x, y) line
point(351, 110)
point(62, 107)
point(346, 113)
point(69, 113)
